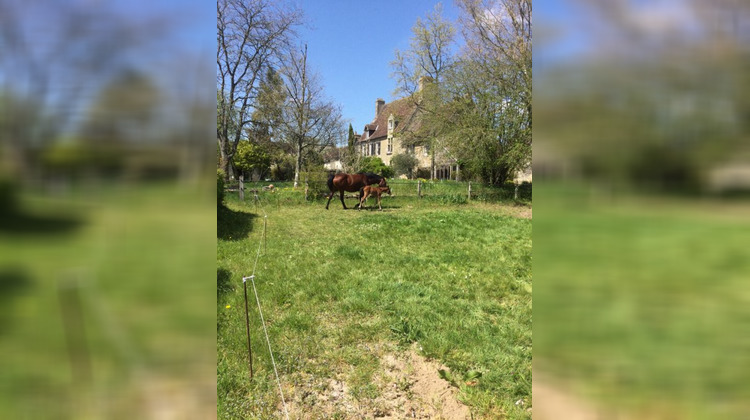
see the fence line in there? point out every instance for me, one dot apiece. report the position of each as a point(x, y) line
point(261, 242)
point(452, 190)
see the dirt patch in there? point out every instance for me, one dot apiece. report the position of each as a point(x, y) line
point(522, 212)
point(407, 386)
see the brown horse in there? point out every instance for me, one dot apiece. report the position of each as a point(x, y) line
point(351, 183)
point(376, 191)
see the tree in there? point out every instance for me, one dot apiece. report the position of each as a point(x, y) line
point(428, 54)
point(251, 35)
point(268, 113)
point(404, 164)
point(253, 159)
point(375, 165)
point(419, 73)
point(310, 121)
point(490, 86)
point(352, 139)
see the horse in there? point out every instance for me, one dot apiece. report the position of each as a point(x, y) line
point(351, 183)
point(377, 191)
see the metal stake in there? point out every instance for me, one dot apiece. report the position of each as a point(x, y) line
point(247, 324)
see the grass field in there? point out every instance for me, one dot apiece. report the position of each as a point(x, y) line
point(344, 290)
point(104, 303)
point(642, 303)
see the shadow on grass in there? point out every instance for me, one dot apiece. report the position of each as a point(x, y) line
point(19, 222)
point(13, 282)
point(223, 284)
point(233, 225)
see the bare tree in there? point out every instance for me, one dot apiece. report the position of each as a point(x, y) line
point(311, 121)
point(251, 34)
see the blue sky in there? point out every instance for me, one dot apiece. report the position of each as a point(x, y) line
point(351, 45)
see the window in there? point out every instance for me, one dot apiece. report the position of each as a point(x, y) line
point(378, 149)
point(389, 147)
point(372, 149)
point(426, 149)
point(410, 149)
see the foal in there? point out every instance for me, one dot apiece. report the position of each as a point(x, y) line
point(370, 190)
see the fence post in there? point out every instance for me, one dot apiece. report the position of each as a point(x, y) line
point(515, 193)
point(242, 187)
point(419, 188)
point(247, 324)
point(306, 187)
point(469, 199)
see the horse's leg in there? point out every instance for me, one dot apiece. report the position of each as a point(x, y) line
point(359, 203)
point(342, 199)
point(379, 195)
point(362, 200)
point(330, 196)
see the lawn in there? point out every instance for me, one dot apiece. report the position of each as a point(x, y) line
point(642, 303)
point(344, 291)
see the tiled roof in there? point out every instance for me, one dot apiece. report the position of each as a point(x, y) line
point(405, 112)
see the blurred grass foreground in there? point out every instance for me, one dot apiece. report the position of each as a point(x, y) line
point(107, 239)
point(641, 226)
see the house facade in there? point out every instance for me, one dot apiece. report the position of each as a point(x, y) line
point(383, 137)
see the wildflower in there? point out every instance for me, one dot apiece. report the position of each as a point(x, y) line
point(229, 306)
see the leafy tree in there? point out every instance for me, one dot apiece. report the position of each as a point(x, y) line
point(492, 89)
point(404, 164)
point(352, 139)
point(419, 73)
point(252, 158)
point(375, 165)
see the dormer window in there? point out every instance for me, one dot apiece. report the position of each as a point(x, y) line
point(391, 123)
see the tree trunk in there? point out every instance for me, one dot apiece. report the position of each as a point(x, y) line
point(432, 163)
point(297, 165)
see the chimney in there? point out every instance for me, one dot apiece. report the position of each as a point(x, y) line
point(379, 103)
point(424, 80)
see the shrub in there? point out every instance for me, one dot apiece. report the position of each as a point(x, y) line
point(283, 168)
point(404, 164)
point(375, 165)
point(317, 183)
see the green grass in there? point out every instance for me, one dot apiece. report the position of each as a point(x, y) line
point(440, 191)
point(644, 304)
point(137, 256)
point(341, 288)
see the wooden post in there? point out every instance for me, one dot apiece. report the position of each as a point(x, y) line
point(306, 188)
point(419, 188)
point(242, 187)
point(515, 193)
point(469, 191)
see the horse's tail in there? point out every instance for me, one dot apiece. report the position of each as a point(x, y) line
point(330, 181)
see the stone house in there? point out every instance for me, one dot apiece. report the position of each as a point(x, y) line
point(382, 137)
